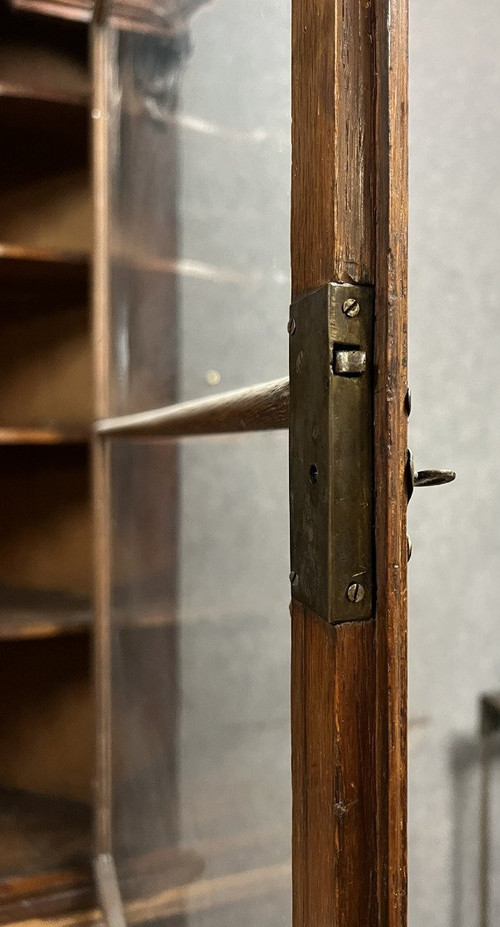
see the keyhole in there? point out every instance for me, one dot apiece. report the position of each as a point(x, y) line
point(313, 473)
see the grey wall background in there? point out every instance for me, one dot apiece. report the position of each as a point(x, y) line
point(455, 377)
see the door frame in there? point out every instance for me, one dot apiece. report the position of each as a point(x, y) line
point(349, 681)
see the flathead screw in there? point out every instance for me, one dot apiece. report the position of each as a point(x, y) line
point(355, 592)
point(351, 308)
point(291, 327)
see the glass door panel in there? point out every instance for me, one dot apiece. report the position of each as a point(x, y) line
point(200, 681)
point(199, 150)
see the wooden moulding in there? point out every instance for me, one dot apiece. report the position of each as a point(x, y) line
point(349, 224)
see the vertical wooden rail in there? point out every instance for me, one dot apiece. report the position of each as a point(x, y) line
point(391, 248)
point(100, 455)
point(107, 886)
point(349, 224)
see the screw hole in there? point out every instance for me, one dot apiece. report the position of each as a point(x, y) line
point(313, 473)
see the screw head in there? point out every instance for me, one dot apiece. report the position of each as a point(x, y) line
point(291, 327)
point(293, 578)
point(351, 308)
point(355, 592)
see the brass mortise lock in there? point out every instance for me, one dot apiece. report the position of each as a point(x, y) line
point(331, 452)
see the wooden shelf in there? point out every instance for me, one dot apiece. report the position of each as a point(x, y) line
point(45, 846)
point(42, 74)
point(22, 116)
point(43, 435)
point(29, 96)
point(17, 262)
point(34, 613)
point(46, 700)
point(33, 279)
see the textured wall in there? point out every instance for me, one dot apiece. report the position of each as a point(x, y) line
point(454, 372)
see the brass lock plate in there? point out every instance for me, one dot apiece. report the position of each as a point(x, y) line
point(331, 451)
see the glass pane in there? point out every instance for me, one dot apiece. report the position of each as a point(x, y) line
point(200, 681)
point(200, 181)
point(454, 862)
point(199, 248)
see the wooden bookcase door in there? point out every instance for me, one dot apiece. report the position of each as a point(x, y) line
point(193, 813)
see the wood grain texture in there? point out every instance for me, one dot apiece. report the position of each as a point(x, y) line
point(349, 223)
point(333, 128)
point(390, 449)
point(333, 756)
point(257, 408)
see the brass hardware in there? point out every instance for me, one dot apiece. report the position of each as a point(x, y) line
point(424, 477)
point(331, 451)
point(351, 308)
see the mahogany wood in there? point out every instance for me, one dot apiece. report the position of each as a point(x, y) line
point(349, 201)
point(391, 249)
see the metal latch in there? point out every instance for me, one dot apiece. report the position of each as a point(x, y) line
point(331, 451)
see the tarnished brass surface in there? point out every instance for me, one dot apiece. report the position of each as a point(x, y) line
point(331, 451)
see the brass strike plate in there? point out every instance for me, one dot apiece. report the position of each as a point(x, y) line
point(331, 451)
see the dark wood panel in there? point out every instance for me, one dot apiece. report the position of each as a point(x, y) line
point(46, 531)
point(34, 278)
point(46, 720)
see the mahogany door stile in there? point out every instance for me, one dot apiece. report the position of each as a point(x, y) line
point(349, 225)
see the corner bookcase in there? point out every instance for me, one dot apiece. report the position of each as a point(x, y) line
point(45, 413)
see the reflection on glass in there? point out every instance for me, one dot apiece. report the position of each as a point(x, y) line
point(200, 179)
point(200, 680)
point(199, 126)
